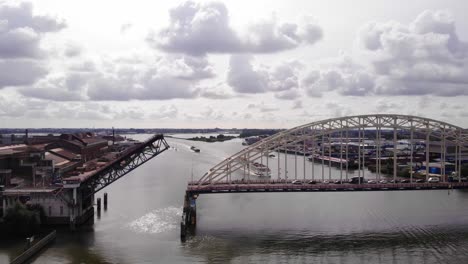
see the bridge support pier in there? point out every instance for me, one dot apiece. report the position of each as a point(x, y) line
point(189, 215)
point(105, 201)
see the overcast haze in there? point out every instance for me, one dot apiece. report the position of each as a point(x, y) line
point(264, 64)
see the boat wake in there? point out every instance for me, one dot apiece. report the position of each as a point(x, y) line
point(157, 221)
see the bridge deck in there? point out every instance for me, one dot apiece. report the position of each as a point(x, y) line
point(320, 187)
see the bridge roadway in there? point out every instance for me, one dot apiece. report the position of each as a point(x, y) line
point(237, 187)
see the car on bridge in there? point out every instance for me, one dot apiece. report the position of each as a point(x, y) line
point(455, 179)
point(371, 182)
point(420, 181)
point(357, 180)
point(433, 180)
point(296, 182)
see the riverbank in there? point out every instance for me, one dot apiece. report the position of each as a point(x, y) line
point(33, 246)
point(22, 220)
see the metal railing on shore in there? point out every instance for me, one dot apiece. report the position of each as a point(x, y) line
point(35, 248)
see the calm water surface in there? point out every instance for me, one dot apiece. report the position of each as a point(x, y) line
point(141, 224)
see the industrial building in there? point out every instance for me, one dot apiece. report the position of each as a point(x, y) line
point(32, 172)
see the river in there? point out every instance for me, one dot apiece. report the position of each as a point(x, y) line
point(141, 224)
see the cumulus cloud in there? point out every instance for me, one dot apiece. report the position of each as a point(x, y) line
point(86, 111)
point(247, 116)
point(11, 108)
point(18, 72)
point(284, 77)
point(166, 78)
point(424, 57)
point(287, 95)
point(200, 28)
point(212, 114)
point(58, 88)
point(124, 79)
point(132, 114)
point(216, 92)
point(208, 113)
point(342, 75)
point(21, 32)
point(165, 112)
point(262, 107)
point(337, 109)
point(297, 105)
point(244, 78)
point(125, 27)
point(384, 105)
point(72, 50)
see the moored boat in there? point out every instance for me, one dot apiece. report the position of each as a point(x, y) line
point(352, 164)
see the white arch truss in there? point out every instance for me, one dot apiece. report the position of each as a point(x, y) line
point(442, 132)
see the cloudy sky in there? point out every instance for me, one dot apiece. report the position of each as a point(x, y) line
point(265, 64)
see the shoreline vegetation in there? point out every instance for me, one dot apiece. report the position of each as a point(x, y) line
point(211, 139)
point(21, 220)
point(245, 133)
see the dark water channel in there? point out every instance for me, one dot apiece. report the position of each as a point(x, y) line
point(141, 224)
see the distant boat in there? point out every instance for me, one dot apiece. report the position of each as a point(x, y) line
point(195, 149)
point(260, 170)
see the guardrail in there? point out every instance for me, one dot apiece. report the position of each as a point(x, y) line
point(35, 248)
point(289, 187)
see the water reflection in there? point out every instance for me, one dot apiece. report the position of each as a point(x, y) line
point(435, 244)
point(157, 221)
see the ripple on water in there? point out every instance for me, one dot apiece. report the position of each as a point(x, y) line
point(157, 221)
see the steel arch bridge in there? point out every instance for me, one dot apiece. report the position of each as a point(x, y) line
point(339, 129)
point(428, 140)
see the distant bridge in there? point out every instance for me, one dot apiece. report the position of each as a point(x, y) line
point(342, 143)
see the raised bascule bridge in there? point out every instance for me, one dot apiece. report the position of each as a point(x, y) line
point(336, 155)
point(78, 191)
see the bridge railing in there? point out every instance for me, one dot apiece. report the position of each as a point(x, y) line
point(288, 187)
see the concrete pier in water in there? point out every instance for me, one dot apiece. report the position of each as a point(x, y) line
point(189, 215)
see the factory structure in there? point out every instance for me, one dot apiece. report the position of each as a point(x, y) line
point(61, 173)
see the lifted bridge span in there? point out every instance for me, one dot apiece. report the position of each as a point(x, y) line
point(78, 191)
